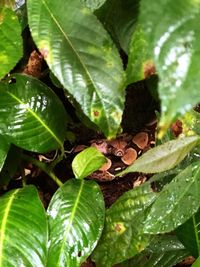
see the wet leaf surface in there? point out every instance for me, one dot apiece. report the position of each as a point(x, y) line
point(174, 46)
point(177, 202)
point(81, 54)
point(21, 212)
point(31, 115)
point(123, 232)
point(76, 219)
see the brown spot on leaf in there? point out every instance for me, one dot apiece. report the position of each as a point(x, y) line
point(118, 227)
point(96, 113)
point(149, 69)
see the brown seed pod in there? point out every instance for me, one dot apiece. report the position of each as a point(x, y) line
point(130, 156)
point(106, 165)
point(141, 140)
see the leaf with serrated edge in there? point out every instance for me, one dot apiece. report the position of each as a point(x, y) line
point(23, 229)
point(176, 203)
point(76, 219)
point(123, 231)
point(11, 47)
point(87, 161)
point(163, 157)
point(189, 234)
point(82, 56)
point(31, 115)
point(174, 44)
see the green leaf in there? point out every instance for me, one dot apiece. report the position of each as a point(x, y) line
point(82, 56)
point(87, 161)
point(11, 48)
point(140, 64)
point(176, 203)
point(163, 251)
point(174, 45)
point(189, 234)
point(4, 147)
point(31, 115)
point(76, 219)
point(163, 157)
point(93, 4)
point(119, 18)
point(123, 235)
point(23, 229)
point(196, 263)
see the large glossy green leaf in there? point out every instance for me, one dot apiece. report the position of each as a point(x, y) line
point(123, 235)
point(163, 157)
point(177, 202)
point(119, 18)
point(23, 229)
point(31, 115)
point(174, 44)
point(87, 161)
point(189, 234)
point(4, 147)
point(163, 251)
point(82, 56)
point(11, 48)
point(76, 219)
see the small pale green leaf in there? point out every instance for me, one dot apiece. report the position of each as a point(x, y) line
point(87, 161)
point(189, 234)
point(93, 4)
point(31, 115)
point(140, 63)
point(176, 203)
point(4, 147)
point(11, 47)
point(172, 33)
point(82, 56)
point(163, 157)
point(23, 229)
point(123, 235)
point(76, 219)
point(196, 263)
point(163, 251)
point(119, 18)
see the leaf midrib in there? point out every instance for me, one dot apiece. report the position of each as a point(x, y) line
point(78, 56)
point(71, 219)
point(4, 223)
point(37, 118)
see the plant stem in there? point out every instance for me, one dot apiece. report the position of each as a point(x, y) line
point(44, 168)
